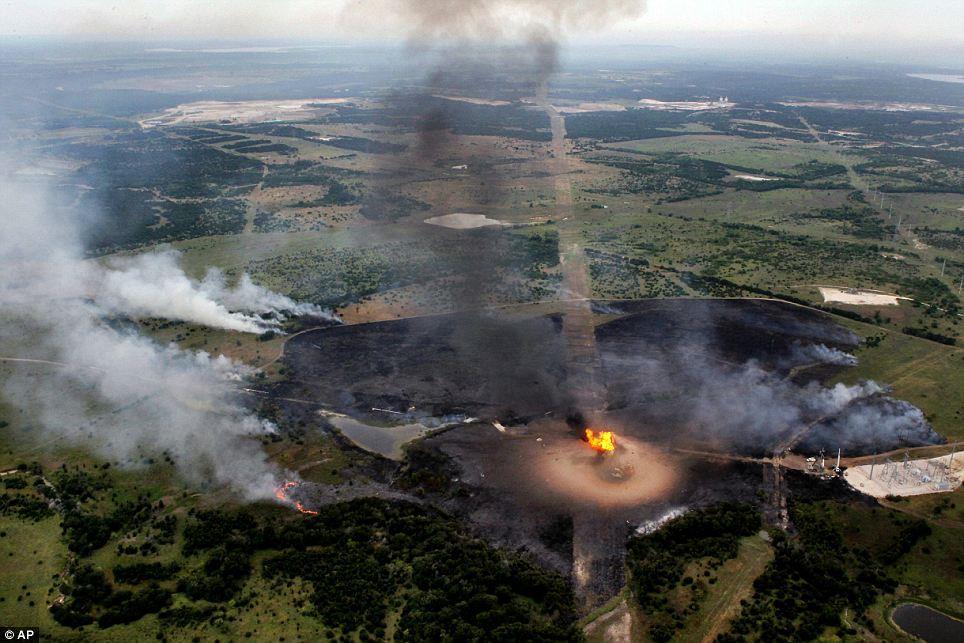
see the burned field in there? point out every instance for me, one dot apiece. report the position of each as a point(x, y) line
point(710, 373)
point(472, 364)
point(699, 394)
point(735, 376)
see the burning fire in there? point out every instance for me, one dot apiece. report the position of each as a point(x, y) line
point(602, 441)
point(281, 493)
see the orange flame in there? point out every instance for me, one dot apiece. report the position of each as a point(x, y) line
point(602, 441)
point(281, 493)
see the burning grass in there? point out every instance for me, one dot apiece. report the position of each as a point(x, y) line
point(282, 493)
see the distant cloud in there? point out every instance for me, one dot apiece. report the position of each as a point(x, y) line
point(817, 27)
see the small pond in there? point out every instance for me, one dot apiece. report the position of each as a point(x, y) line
point(928, 624)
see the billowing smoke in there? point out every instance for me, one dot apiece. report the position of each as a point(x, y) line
point(534, 27)
point(494, 50)
point(754, 409)
point(117, 391)
point(750, 404)
point(873, 425)
point(823, 354)
point(657, 523)
point(154, 285)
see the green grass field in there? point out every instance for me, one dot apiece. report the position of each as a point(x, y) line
point(925, 373)
point(734, 581)
point(758, 154)
point(31, 560)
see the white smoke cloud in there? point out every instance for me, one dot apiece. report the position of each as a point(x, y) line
point(823, 354)
point(249, 297)
point(154, 285)
point(654, 525)
point(826, 401)
point(751, 401)
point(122, 394)
point(866, 427)
point(752, 407)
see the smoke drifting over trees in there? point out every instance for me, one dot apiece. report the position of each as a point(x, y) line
point(154, 285)
point(120, 392)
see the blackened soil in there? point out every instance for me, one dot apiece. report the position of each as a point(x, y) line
point(475, 364)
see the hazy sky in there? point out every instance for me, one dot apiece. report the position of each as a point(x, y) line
point(886, 28)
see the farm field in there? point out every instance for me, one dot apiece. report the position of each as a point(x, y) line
point(753, 154)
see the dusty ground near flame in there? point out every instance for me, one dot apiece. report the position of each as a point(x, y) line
point(636, 472)
point(554, 465)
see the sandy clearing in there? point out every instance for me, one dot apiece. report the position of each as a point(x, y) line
point(614, 627)
point(473, 101)
point(464, 221)
point(915, 478)
point(583, 108)
point(856, 297)
point(251, 111)
point(884, 107)
point(940, 78)
point(686, 106)
point(750, 177)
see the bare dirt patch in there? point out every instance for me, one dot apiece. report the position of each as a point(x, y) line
point(684, 106)
point(911, 478)
point(614, 627)
point(251, 111)
point(473, 101)
point(582, 108)
point(464, 221)
point(856, 297)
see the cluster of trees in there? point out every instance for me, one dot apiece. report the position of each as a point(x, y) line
point(26, 496)
point(337, 276)
point(149, 160)
point(89, 597)
point(135, 573)
point(816, 576)
point(86, 528)
point(260, 146)
point(676, 176)
point(683, 177)
point(931, 335)
point(859, 221)
point(631, 124)
point(368, 557)
point(134, 218)
point(365, 145)
point(304, 172)
point(915, 169)
point(656, 561)
point(947, 239)
point(384, 205)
